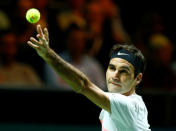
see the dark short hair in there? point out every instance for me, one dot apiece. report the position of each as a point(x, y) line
point(132, 49)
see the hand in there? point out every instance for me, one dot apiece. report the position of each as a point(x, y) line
point(41, 45)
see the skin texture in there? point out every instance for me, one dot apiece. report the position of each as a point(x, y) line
point(120, 76)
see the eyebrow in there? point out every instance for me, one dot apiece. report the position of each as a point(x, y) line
point(122, 67)
point(125, 67)
point(111, 65)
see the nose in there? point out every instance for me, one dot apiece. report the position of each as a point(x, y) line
point(116, 76)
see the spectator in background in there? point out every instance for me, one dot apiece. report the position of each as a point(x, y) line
point(74, 13)
point(75, 54)
point(42, 6)
point(159, 73)
point(103, 23)
point(151, 23)
point(71, 12)
point(105, 28)
point(158, 48)
point(95, 23)
point(13, 73)
point(4, 20)
point(25, 29)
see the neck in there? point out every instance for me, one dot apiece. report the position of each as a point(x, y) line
point(132, 91)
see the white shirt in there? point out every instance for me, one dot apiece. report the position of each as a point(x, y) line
point(128, 113)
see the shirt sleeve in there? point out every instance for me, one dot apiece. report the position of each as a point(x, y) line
point(122, 109)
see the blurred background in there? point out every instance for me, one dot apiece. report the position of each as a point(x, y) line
point(34, 97)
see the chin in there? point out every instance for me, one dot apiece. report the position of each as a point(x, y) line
point(114, 89)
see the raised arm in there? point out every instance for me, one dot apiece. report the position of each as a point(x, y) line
point(75, 78)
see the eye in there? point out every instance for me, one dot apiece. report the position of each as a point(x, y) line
point(123, 71)
point(111, 67)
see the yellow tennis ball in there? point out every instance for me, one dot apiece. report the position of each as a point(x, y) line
point(33, 15)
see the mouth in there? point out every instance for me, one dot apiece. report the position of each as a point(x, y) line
point(115, 83)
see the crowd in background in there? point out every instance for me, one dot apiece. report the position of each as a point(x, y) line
point(82, 32)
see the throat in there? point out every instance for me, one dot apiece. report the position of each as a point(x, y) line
point(132, 91)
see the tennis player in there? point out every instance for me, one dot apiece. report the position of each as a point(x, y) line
point(122, 108)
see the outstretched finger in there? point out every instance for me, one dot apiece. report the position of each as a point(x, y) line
point(39, 30)
point(32, 45)
point(46, 34)
point(34, 41)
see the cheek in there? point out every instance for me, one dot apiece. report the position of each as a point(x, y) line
point(128, 83)
point(107, 74)
point(126, 79)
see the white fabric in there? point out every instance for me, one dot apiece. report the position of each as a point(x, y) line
point(128, 113)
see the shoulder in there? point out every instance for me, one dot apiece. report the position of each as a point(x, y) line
point(119, 101)
point(119, 97)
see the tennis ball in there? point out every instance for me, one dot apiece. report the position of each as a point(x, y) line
point(33, 15)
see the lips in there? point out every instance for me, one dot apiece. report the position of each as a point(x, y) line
point(114, 83)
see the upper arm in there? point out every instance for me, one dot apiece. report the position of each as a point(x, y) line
point(97, 96)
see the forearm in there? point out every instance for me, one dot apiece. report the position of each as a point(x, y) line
point(75, 78)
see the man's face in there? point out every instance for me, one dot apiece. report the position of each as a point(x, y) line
point(120, 76)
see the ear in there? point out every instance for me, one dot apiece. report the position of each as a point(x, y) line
point(139, 78)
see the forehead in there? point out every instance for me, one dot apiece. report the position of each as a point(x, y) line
point(119, 62)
